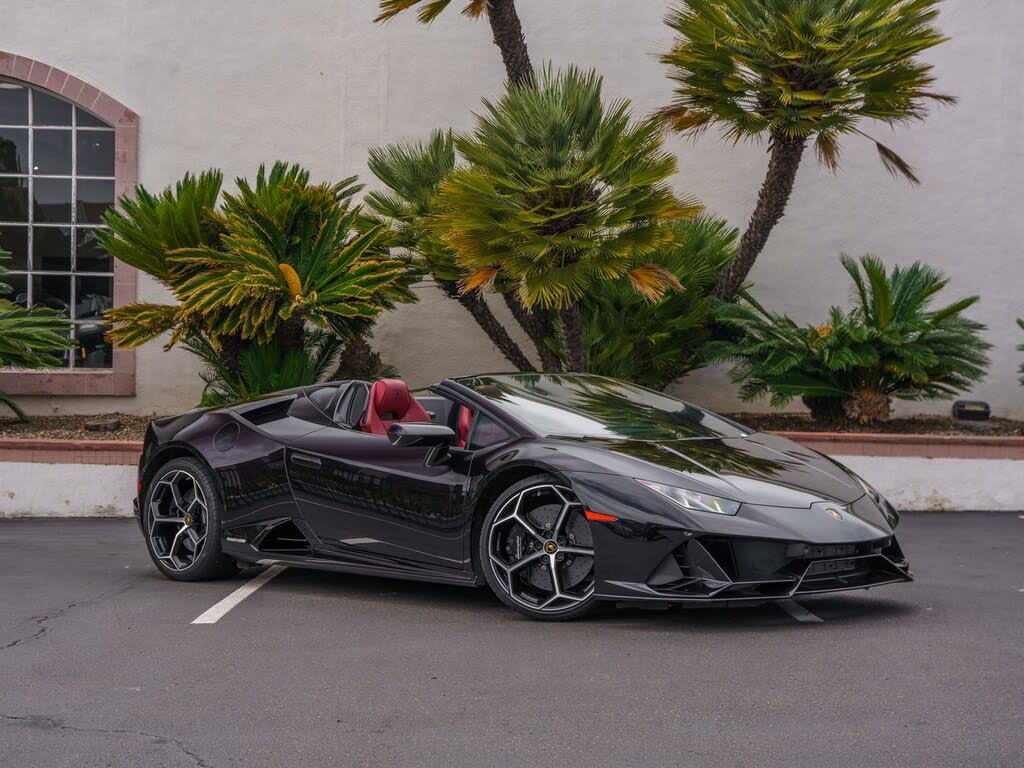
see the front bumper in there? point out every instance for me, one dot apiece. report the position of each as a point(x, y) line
point(657, 551)
point(713, 569)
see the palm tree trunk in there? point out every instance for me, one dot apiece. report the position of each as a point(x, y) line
point(476, 306)
point(291, 333)
point(572, 339)
point(537, 328)
point(232, 348)
point(508, 36)
point(785, 159)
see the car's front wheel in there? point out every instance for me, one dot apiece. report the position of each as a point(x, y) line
point(181, 520)
point(537, 552)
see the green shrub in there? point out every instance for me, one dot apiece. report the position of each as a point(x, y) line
point(628, 337)
point(891, 344)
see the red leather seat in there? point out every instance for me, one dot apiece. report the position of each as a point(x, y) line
point(390, 401)
point(465, 422)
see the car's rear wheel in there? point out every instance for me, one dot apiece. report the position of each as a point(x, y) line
point(537, 552)
point(181, 520)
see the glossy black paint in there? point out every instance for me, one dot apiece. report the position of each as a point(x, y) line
point(301, 486)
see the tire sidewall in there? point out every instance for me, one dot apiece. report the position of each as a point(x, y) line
point(209, 564)
point(484, 555)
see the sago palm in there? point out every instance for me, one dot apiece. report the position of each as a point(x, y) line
point(890, 344)
point(30, 337)
point(277, 254)
point(411, 173)
point(559, 192)
point(794, 71)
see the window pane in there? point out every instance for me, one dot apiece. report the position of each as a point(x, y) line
point(51, 249)
point(87, 120)
point(52, 152)
point(90, 257)
point(19, 288)
point(94, 351)
point(13, 150)
point(94, 296)
point(52, 200)
point(485, 432)
point(95, 153)
point(49, 110)
point(13, 199)
point(94, 197)
point(13, 104)
point(53, 291)
point(63, 356)
point(15, 241)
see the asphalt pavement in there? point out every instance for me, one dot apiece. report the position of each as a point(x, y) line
point(101, 665)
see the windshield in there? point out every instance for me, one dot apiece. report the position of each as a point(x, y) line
point(577, 405)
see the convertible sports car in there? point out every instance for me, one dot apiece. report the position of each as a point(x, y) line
point(557, 491)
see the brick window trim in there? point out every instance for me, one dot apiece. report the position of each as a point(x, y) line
point(119, 380)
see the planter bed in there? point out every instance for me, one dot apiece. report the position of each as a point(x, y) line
point(96, 477)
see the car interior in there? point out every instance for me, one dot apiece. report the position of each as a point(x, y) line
point(374, 407)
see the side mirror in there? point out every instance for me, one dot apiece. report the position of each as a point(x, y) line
point(421, 435)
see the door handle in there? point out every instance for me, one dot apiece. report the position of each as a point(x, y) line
point(309, 461)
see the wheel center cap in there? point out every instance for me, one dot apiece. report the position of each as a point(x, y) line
point(551, 547)
point(188, 519)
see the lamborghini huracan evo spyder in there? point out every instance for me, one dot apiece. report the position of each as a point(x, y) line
point(557, 491)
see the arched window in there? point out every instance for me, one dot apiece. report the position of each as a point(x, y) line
point(56, 180)
point(66, 151)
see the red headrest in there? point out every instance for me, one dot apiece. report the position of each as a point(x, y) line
point(391, 397)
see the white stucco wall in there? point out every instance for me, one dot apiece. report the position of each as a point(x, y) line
point(232, 84)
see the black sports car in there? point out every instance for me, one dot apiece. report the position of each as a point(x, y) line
point(557, 491)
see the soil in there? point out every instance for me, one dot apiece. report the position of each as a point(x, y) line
point(73, 427)
point(134, 427)
point(916, 425)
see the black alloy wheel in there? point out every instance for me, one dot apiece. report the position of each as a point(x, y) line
point(181, 519)
point(537, 551)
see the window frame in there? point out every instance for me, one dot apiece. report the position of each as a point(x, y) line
point(119, 379)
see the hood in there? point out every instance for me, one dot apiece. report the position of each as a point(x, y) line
point(760, 469)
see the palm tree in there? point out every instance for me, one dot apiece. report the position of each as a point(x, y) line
point(412, 173)
point(277, 256)
point(29, 337)
point(794, 72)
point(501, 15)
point(560, 191)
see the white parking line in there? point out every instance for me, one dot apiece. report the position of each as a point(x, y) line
point(799, 613)
point(213, 614)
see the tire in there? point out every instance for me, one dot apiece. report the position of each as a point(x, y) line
point(181, 518)
point(536, 551)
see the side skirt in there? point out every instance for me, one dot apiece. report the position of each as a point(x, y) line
point(246, 553)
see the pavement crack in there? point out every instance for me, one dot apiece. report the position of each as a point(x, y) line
point(42, 623)
point(54, 723)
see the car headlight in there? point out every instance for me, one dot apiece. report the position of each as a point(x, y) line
point(693, 500)
point(874, 495)
point(887, 509)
